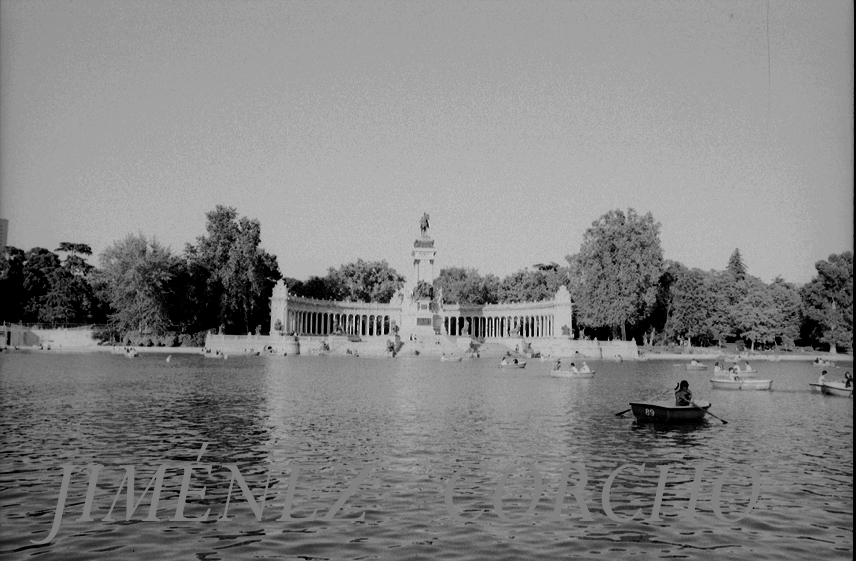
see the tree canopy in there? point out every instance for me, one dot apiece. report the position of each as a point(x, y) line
point(735, 265)
point(366, 281)
point(465, 286)
point(240, 274)
point(137, 273)
point(620, 262)
point(828, 301)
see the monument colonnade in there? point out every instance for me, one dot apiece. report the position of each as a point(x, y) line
point(307, 316)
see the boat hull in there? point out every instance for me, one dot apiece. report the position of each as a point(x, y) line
point(745, 384)
point(696, 366)
point(512, 365)
point(451, 359)
point(723, 374)
point(569, 374)
point(665, 413)
point(833, 388)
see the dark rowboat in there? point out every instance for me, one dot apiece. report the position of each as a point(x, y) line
point(668, 412)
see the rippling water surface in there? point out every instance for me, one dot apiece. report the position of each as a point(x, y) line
point(411, 424)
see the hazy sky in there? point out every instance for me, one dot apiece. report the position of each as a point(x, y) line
point(515, 125)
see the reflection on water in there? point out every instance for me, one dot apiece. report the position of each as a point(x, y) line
point(414, 424)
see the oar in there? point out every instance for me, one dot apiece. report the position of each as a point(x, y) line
point(724, 422)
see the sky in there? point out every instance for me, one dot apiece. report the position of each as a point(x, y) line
point(513, 124)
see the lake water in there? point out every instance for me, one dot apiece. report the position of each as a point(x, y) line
point(412, 424)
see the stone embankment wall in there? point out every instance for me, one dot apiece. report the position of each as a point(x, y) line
point(21, 336)
point(428, 346)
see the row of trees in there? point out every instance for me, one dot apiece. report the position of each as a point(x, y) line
point(619, 281)
point(223, 280)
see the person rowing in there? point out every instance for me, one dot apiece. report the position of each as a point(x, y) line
point(683, 395)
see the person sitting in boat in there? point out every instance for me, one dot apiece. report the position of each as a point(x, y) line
point(822, 378)
point(574, 368)
point(503, 361)
point(848, 380)
point(717, 367)
point(585, 367)
point(514, 360)
point(694, 362)
point(558, 365)
point(746, 367)
point(732, 375)
point(683, 395)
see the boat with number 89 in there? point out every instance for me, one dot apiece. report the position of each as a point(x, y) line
point(668, 412)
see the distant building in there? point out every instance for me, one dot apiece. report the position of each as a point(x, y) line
point(4, 232)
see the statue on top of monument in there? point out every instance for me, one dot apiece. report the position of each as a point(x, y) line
point(423, 224)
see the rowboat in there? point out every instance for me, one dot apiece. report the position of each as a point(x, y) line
point(451, 358)
point(696, 367)
point(824, 364)
point(668, 412)
point(833, 388)
point(743, 384)
point(570, 374)
point(518, 364)
point(741, 373)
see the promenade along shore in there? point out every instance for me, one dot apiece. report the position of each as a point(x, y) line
point(77, 340)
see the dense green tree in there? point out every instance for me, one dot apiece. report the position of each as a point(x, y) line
point(789, 311)
point(69, 300)
point(828, 301)
point(136, 274)
point(620, 263)
point(366, 281)
point(12, 284)
point(241, 275)
point(658, 319)
point(39, 267)
point(466, 286)
point(533, 285)
point(320, 288)
point(735, 265)
point(689, 306)
point(74, 261)
point(755, 316)
point(720, 322)
point(189, 300)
